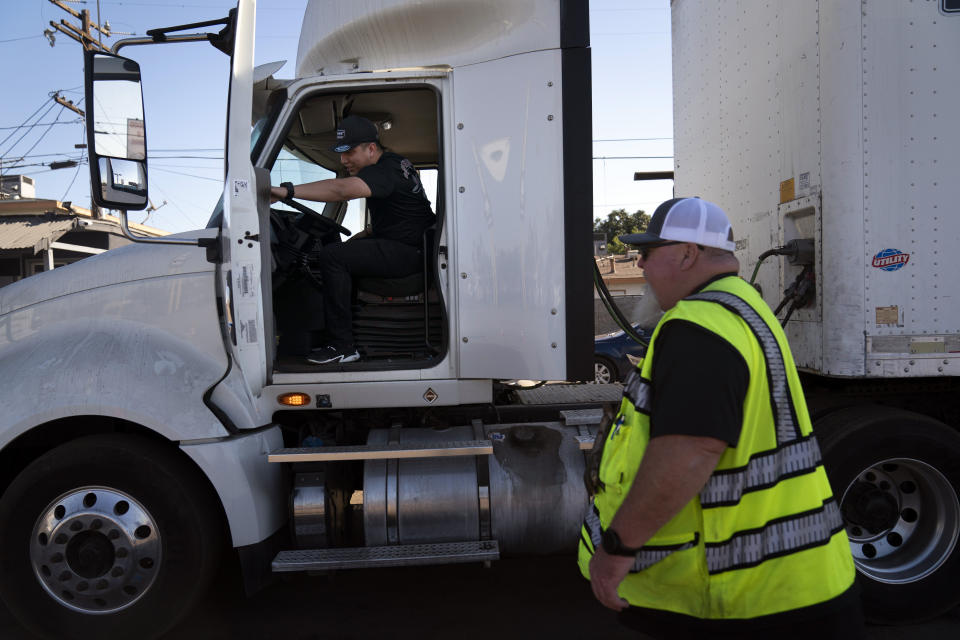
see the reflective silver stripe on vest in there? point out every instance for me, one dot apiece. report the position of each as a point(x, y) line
point(637, 391)
point(647, 557)
point(775, 539)
point(592, 524)
point(764, 470)
point(787, 428)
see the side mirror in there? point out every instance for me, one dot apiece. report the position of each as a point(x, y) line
point(116, 132)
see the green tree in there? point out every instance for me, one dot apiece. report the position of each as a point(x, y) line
point(619, 222)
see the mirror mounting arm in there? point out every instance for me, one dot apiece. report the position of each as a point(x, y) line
point(222, 40)
point(125, 228)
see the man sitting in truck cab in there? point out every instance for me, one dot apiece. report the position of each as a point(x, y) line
point(391, 246)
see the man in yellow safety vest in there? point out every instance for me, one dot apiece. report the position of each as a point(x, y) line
point(715, 517)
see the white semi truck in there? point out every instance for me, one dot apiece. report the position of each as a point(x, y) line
point(155, 409)
point(828, 130)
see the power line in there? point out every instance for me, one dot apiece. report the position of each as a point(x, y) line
point(18, 39)
point(189, 175)
point(42, 124)
point(27, 132)
point(42, 135)
point(24, 122)
point(152, 150)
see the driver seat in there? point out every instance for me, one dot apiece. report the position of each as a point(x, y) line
point(389, 322)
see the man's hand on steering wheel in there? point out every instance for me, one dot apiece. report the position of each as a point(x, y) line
point(284, 194)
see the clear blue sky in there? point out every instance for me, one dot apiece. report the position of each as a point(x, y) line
point(185, 94)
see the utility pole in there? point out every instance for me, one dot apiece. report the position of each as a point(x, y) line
point(82, 33)
point(66, 103)
point(85, 37)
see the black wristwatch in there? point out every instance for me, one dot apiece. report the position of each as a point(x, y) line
point(289, 187)
point(612, 544)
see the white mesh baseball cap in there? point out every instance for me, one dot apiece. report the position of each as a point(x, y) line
point(686, 220)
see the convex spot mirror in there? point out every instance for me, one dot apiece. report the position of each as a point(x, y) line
point(116, 132)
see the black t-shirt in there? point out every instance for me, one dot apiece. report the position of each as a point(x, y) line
point(699, 384)
point(399, 209)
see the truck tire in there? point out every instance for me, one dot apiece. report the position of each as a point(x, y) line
point(897, 480)
point(107, 536)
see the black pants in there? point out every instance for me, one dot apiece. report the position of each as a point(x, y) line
point(361, 258)
point(837, 619)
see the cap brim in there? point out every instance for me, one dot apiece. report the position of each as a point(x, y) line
point(639, 239)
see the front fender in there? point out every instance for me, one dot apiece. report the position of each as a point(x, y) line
point(143, 351)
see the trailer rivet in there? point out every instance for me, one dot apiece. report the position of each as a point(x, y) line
point(550, 84)
point(940, 369)
point(550, 117)
point(906, 369)
point(459, 125)
point(465, 339)
point(912, 363)
point(463, 276)
point(553, 312)
point(553, 344)
point(462, 189)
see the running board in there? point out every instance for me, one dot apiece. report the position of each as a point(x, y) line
point(406, 555)
point(382, 451)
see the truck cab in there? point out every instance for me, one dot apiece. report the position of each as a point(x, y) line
point(163, 406)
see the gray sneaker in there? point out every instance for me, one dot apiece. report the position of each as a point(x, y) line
point(332, 355)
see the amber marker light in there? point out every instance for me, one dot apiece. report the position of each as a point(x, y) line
point(294, 399)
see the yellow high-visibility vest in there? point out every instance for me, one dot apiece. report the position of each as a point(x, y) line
point(765, 534)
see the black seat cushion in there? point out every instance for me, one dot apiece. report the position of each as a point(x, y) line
point(409, 285)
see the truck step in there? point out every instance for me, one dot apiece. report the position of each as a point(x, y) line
point(577, 417)
point(382, 451)
point(405, 555)
point(570, 394)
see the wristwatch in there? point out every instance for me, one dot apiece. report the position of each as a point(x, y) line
point(289, 187)
point(611, 543)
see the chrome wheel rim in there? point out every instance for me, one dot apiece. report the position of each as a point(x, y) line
point(903, 518)
point(601, 373)
point(96, 550)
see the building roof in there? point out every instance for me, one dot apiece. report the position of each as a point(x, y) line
point(622, 268)
point(30, 232)
point(30, 223)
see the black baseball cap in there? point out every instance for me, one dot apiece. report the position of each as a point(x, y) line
point(354, 130)
point(686, 220)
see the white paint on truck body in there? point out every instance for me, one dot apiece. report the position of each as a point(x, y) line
point(854, 103)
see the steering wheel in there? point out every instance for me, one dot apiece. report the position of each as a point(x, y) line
point(327, 222)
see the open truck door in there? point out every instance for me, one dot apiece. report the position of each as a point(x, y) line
point(246, 250)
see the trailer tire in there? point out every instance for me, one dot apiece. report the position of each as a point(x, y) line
point(107, 536)
point(897, 480)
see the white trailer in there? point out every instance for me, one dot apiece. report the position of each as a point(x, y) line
point(154, 408)
point(837, 123)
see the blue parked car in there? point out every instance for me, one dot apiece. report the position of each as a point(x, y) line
point(615, 354)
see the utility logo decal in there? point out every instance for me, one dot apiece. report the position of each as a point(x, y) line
point(890, 259)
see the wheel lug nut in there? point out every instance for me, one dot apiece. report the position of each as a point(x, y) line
point(65, 575)
point(60, 539)
point(122, 553)
point(57, 557)
point(117, 572)
point(102, 584)
point(76, 525)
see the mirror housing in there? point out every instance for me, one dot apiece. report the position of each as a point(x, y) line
point(116, 131)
